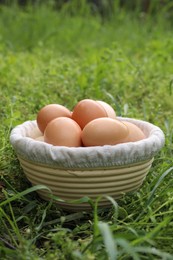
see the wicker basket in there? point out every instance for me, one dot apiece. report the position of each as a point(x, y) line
point(112, 172)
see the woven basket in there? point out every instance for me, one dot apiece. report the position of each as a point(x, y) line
point(100, 171)
point(75, 184)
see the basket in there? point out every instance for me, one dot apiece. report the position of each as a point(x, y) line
point(75, 173)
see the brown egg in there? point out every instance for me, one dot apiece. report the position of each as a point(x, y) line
point(104, 131)
point(50, 112)
point(63, 131)
point(87, 110)
point(109, 110)
point(135, 133)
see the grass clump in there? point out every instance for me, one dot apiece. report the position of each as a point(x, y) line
point(50, 56)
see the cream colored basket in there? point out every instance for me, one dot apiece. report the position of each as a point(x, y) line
point(74, 173)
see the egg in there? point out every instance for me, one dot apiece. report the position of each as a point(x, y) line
point(87, 110)
point(50, 112)
point(63, 131)
point(135, 133)
point(109, 110)
point(104, 131)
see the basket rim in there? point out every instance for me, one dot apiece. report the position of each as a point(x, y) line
point(87, 157)
point(114, 167)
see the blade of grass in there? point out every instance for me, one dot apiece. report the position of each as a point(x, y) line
point(151, 197)
point(153, 233)
point(84, 199)
point(127, 249)
point(154, 251)
point(37, 228)
point(23, 193)
point(7, 244)
point(13, 239)
point(109, 242)
point(160, 180)
point(115, 206)
point(13, 221)
point(66, 219)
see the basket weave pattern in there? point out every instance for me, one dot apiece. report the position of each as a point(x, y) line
point(75, 184)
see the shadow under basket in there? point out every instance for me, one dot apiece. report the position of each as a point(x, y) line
point(74, 174)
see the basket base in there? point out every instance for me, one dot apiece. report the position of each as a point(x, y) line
point(103, 201)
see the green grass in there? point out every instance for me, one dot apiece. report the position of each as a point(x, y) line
point(47, 57)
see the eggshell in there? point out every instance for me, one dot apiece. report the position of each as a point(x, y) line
point(87, 110)
point(135, 133)
point(104, 131)
point(109, 110)
point(63, 131)
point(50, 112)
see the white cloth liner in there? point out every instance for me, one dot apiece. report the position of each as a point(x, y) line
point(23, 136)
